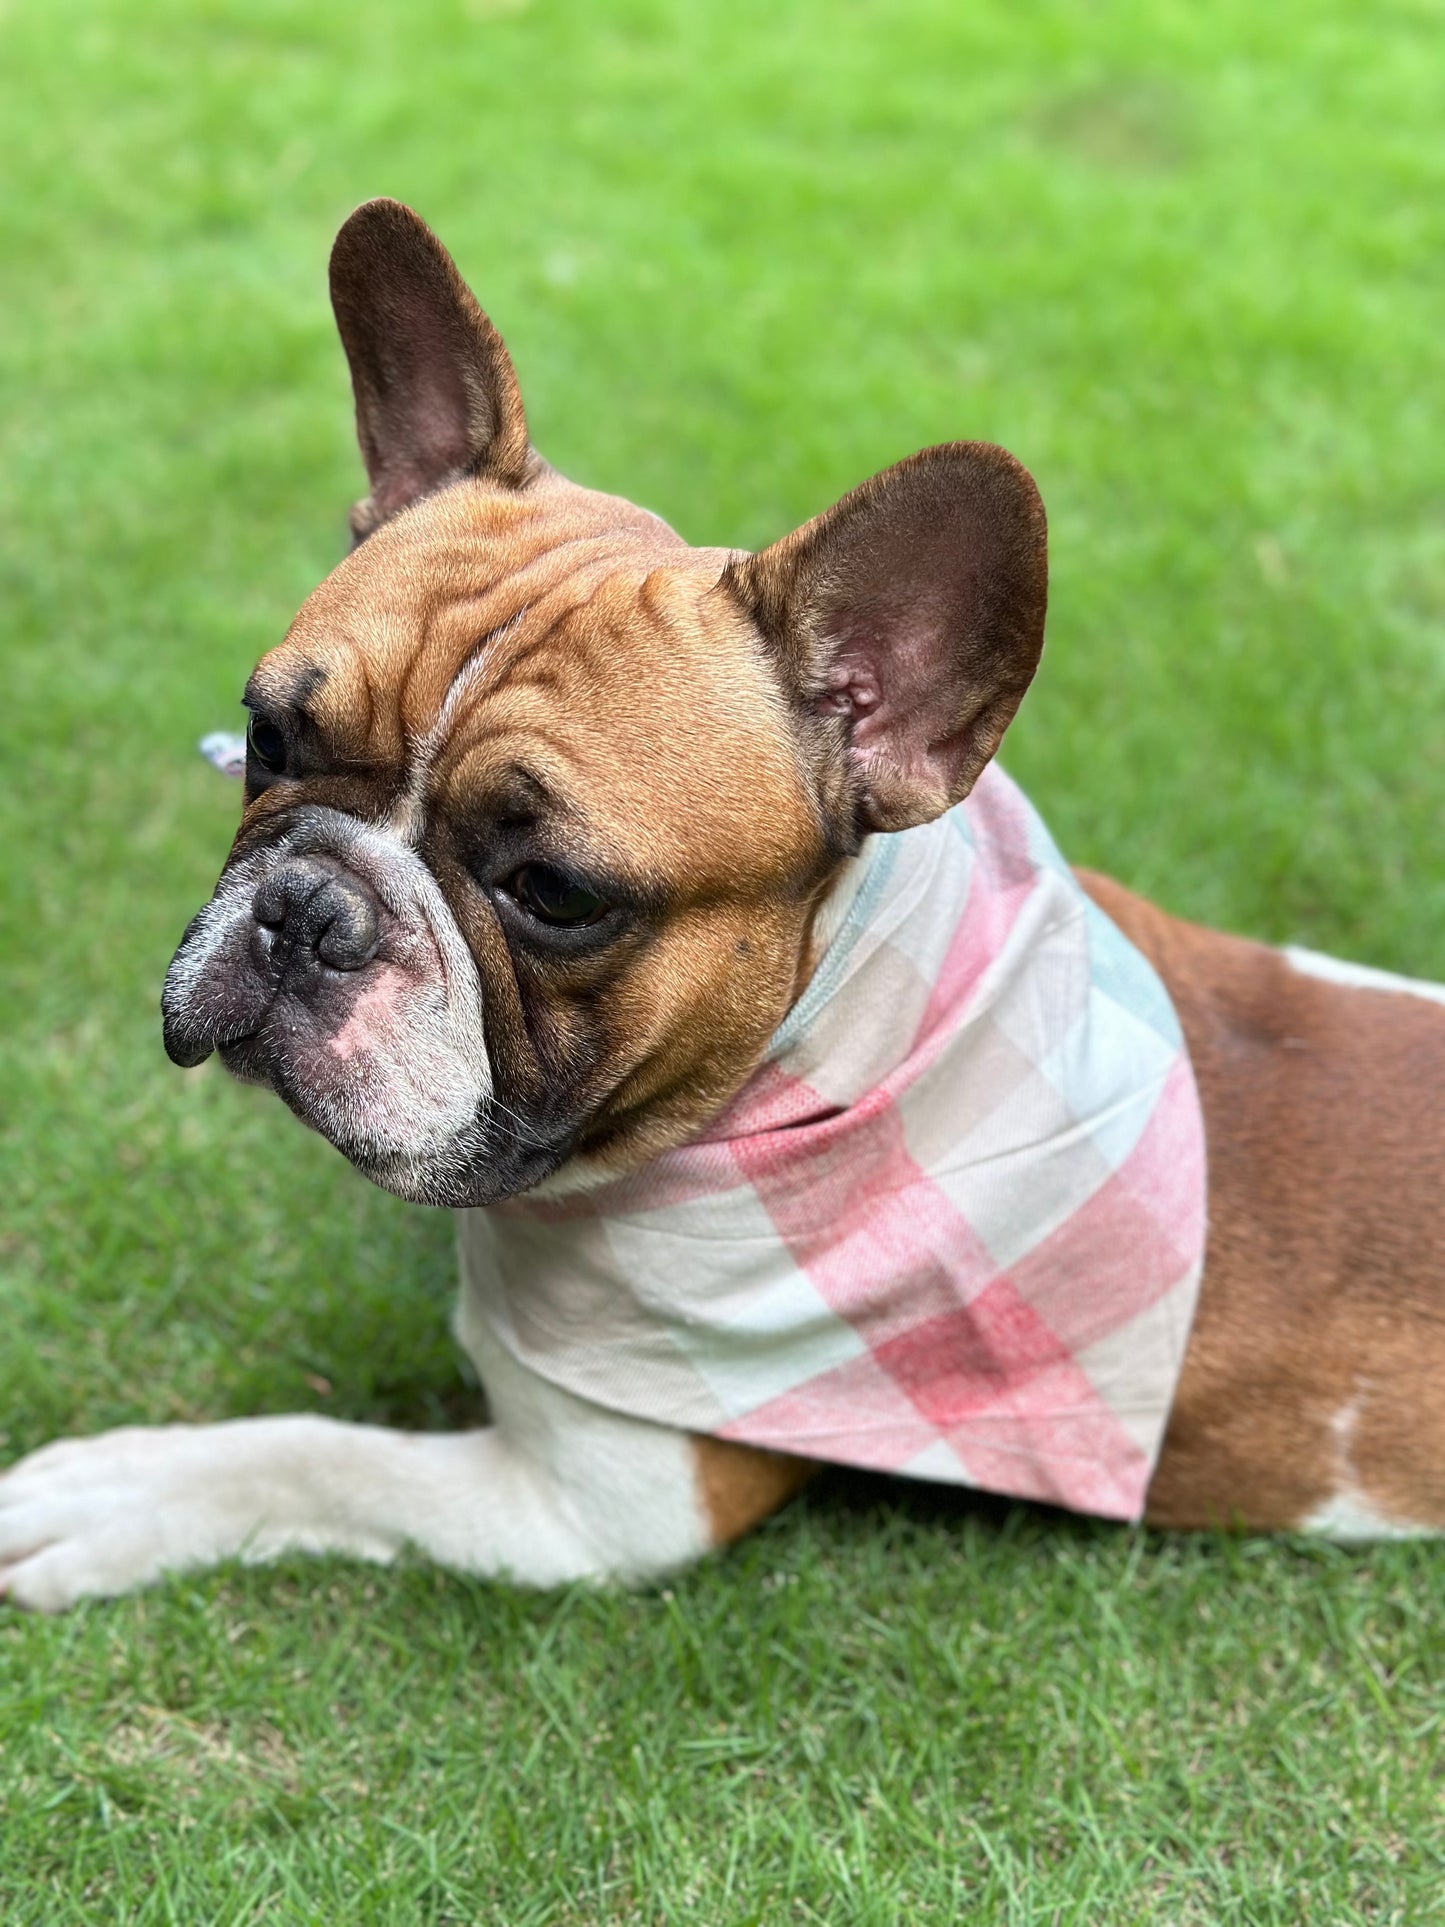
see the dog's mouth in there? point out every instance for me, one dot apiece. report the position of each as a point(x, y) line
point(493, 1155)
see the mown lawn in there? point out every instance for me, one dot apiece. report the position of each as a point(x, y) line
point(1187, 262)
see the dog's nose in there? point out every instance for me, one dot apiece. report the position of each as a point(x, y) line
point(310, 909)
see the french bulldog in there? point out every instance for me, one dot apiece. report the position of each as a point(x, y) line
point(552, 825)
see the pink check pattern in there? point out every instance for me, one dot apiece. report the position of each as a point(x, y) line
point(953, 1226)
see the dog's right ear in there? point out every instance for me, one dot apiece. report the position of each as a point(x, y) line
point(436, 394)
point(908, 621)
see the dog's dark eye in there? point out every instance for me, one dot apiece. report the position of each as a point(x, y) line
point(266, 744)
point(551, 896)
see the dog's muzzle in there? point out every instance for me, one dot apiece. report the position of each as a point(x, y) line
point(329, 966)
point(310, 919)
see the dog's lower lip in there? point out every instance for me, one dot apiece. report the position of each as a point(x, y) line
point(187, 1054)
point(233, 1053)
point(188, 1050)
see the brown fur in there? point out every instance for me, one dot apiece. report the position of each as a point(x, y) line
point(740, 1485)
point(1324, 1280)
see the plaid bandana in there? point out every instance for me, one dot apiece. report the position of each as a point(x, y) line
point(952, 1227)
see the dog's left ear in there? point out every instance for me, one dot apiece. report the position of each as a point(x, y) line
point(436, 393)
point(913, 612)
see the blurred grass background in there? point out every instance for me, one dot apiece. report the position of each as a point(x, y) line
point(1185, 262)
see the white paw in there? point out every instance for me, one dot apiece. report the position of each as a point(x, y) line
point(105, 1515)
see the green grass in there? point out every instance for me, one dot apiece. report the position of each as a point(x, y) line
point(1186, 262)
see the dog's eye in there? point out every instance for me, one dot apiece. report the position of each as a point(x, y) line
point(266, 744)
point(551, 896)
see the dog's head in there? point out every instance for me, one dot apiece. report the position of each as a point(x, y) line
point(540, 801)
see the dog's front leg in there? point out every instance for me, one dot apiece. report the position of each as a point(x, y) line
point(557, 1490)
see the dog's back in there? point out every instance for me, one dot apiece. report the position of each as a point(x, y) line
point(1311, 1390)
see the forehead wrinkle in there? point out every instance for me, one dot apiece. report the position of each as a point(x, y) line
point(345, 707)
point(471, 671)
point(514, 758)
point(582, 835)
point(527, 649)
point(286, 684)
point(535, 619)
point(481, 674)
point(623, 708)
point(699, 851)
point(448, 610)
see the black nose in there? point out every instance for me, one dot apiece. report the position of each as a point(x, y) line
point(310, 909)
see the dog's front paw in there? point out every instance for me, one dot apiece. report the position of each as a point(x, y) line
point(106, 1515)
